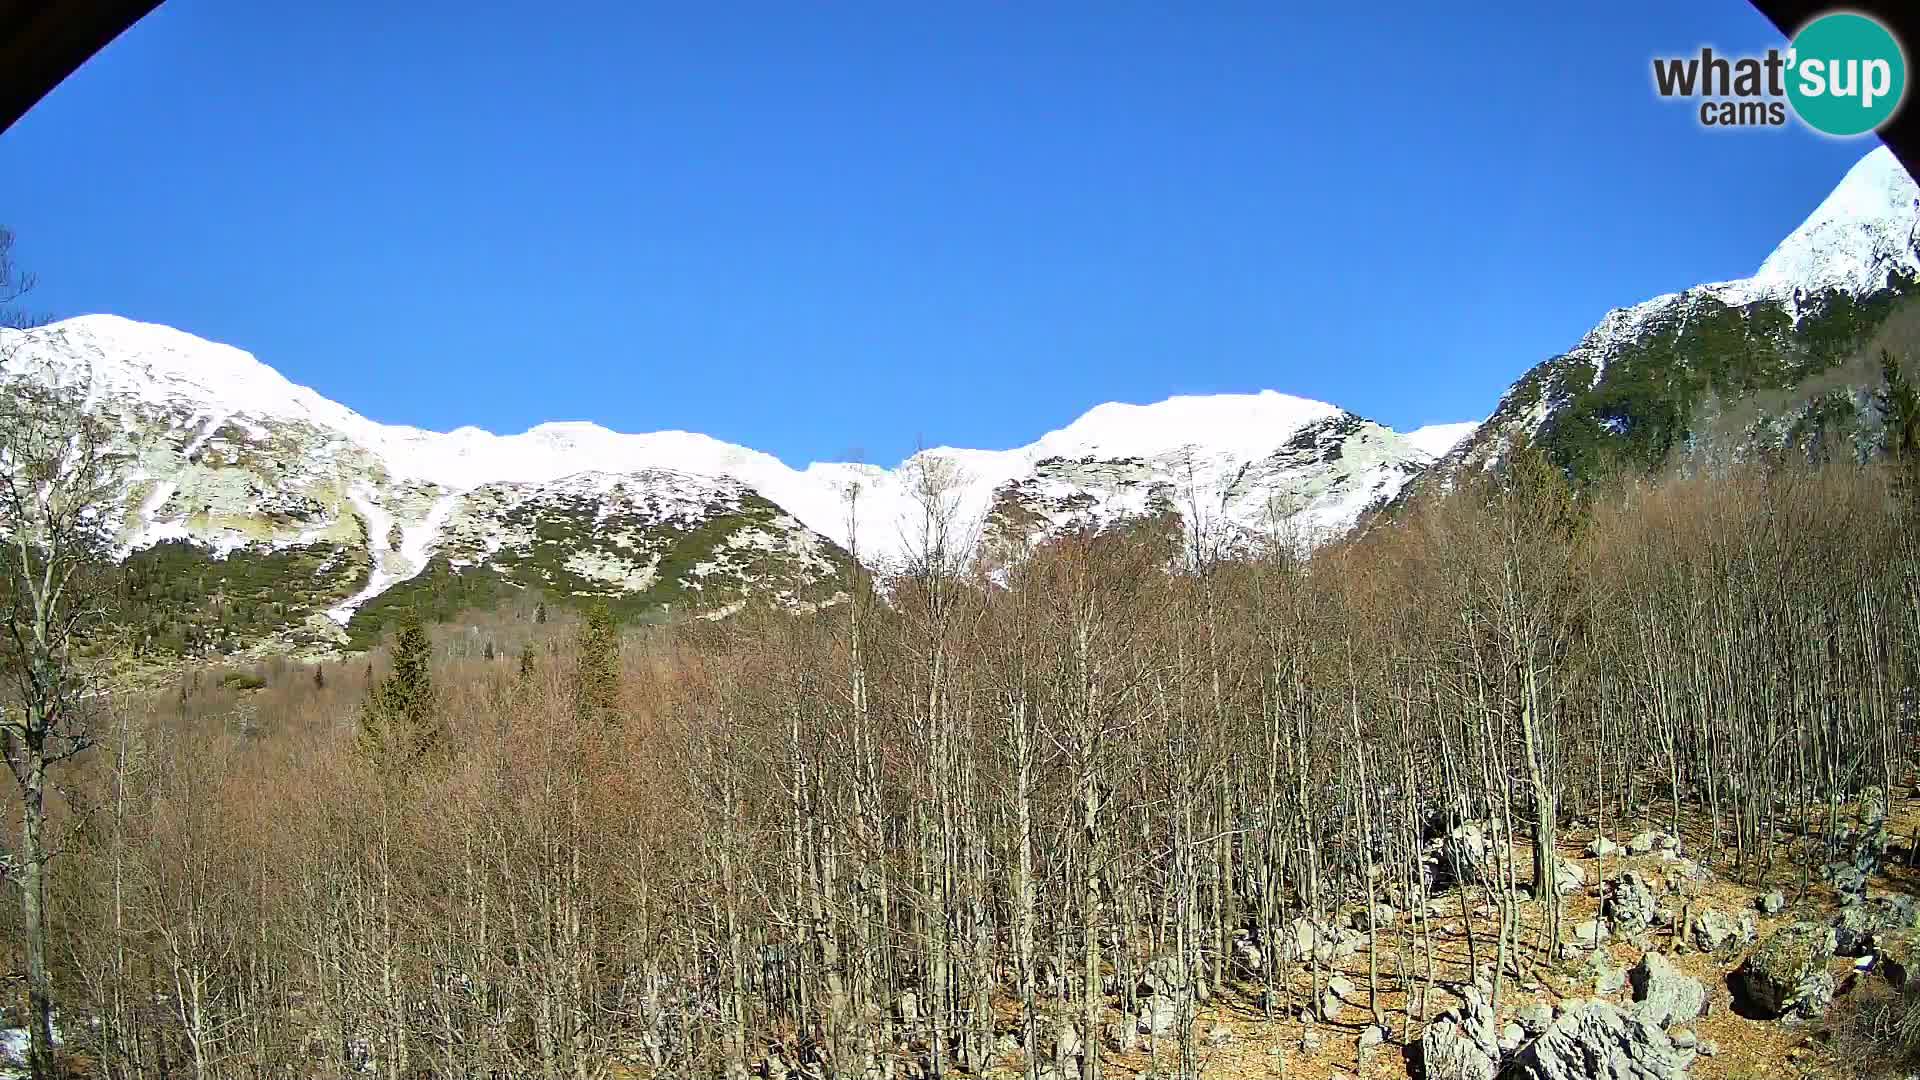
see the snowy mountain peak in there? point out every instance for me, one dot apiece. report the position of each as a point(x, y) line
point(1219, 423)
point(1862, 230)
point(1860, 245)
point(1438, 440)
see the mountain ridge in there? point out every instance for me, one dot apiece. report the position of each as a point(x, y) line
point(228, 459)
point(1862, 240)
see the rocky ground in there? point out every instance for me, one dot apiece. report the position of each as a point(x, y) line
point(1667, 970)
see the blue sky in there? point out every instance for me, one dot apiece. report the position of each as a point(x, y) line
point(825, 229)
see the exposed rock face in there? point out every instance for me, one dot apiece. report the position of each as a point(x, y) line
point(1597, 1041)
point(1786, 974)
point(1662, 995)
point(1462, 1044)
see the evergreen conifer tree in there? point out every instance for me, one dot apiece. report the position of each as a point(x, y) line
point(1899, 404)
point(598, 683)
point(400, 724)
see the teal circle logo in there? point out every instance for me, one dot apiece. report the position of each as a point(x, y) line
point(1847, 74)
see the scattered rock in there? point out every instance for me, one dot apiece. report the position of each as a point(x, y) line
point(1596, 1041)
point(1689, 869)
point(1707, 1048)
point(1772, 903)
point(1371, 1037)
point(1310, 1040)
point(1162, 976)
point(1782, 975)
point(1871, 806)
point(1535, 1017)
point(1600, 847)
point(1662, 995)
point(1248, 957)
point(1848, 880)
point(1607, 979)
point(1066, 1046)
point(1464, 856)
point(1684, 1038)
point(1653, 840)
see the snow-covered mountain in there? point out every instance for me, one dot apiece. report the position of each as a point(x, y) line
point(232, 460)
point(1667, 372)
point(293, 516)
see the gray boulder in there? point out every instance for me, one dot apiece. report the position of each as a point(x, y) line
point(1568, 878)
point(1462, 1044)
point(1663, 996)
point(1596, 1041)
point(1384, 916)
point(1716, 931)
point(1159, 1015)
point(1653, 840)
point(1607, 979)
point(1772, 903)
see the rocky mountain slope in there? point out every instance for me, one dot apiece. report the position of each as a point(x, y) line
point(1772, 359)
point(260, 509)
point(256, 508)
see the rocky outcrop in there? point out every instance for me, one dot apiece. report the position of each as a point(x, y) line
point(1854, 928)
point(1631, 901)
point(1597, 1041)
point(1786, 974)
